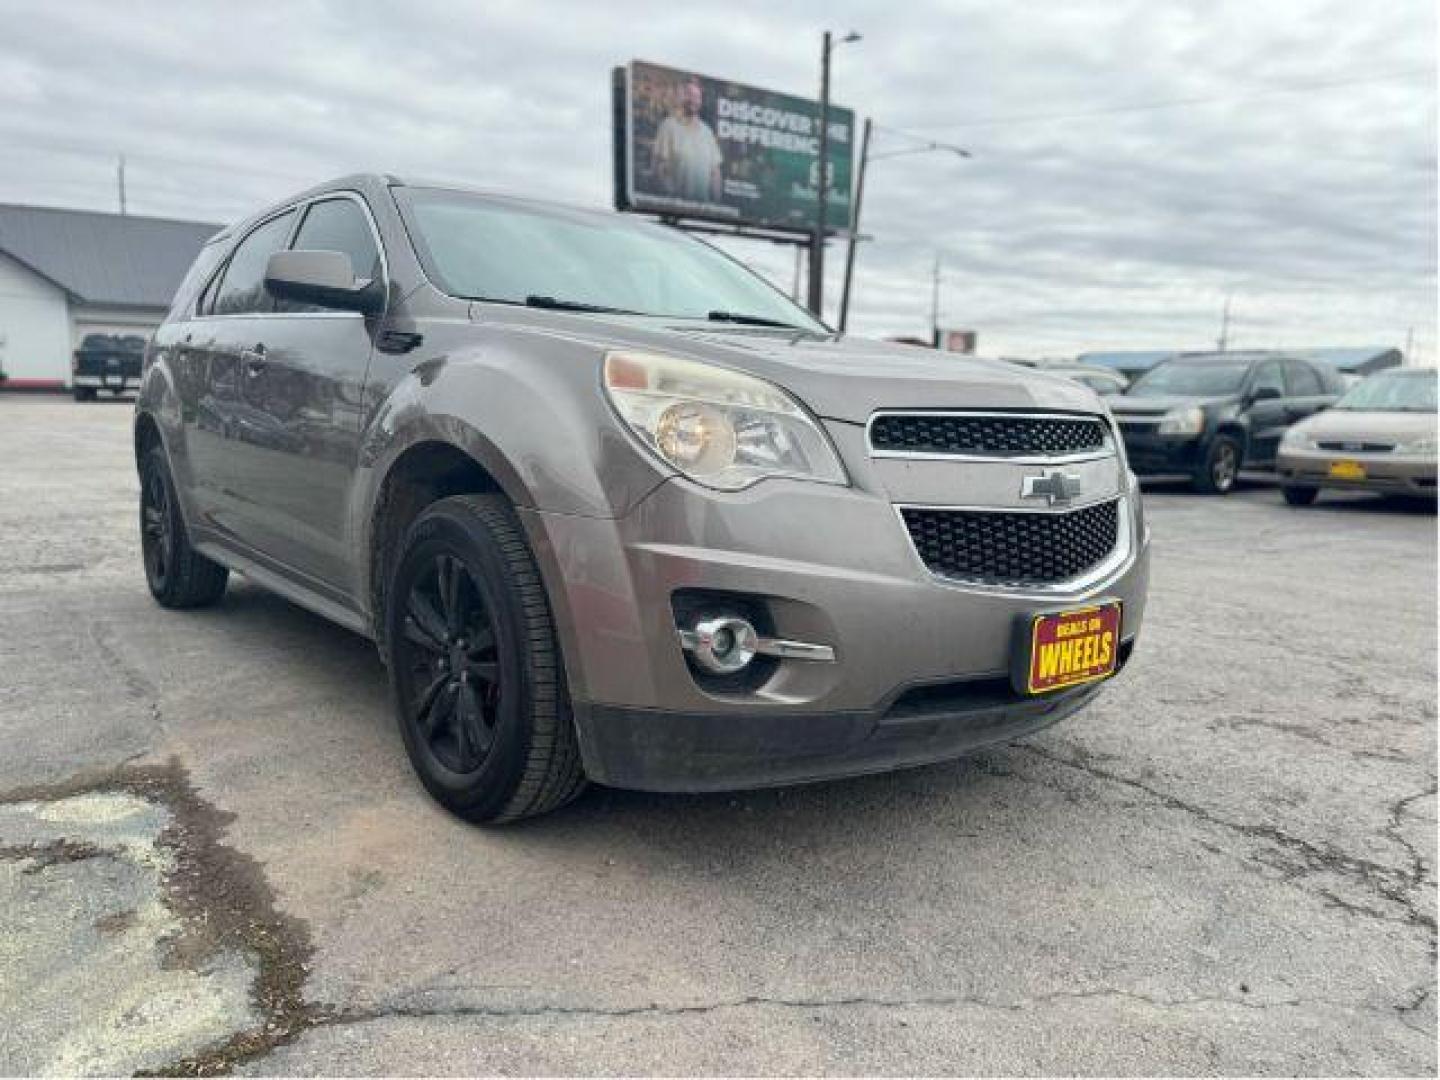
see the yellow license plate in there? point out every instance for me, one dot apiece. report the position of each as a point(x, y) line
point(1072, 647)
point(1347, 470)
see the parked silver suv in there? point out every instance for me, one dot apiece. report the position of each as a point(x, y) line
point(612, 507)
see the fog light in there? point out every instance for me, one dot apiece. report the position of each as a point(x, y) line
point(724, 644)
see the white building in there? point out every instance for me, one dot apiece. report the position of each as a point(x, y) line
point(68, 273)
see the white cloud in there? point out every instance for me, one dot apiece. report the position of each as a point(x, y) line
point(1121, 228)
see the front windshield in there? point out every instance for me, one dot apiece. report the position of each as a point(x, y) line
point(1409, 392)
point(482, 248)
point(1177, 378)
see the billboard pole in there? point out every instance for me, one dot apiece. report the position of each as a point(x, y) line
point(817, 240)
point(854, 226)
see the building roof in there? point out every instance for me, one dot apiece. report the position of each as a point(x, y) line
point(103, 258)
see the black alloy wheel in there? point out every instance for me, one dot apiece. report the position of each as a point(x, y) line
point(475, 668)
point(157, 535)
point(450, 664)
point(178, 575)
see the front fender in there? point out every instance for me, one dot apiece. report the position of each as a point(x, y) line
point(534, 416)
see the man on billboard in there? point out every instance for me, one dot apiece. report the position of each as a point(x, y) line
point(687, 154)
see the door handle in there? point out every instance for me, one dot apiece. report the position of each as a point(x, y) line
point(254, 360)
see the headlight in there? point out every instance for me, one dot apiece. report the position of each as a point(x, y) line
point(720, 428)
point(1294, 439)
point(1189, 421)
point(1419, 446)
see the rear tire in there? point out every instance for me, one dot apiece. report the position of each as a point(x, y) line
point(178, 575)
point(1222, 466)
point(475, 669)
point(1299, 496)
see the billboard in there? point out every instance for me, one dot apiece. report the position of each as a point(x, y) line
point(689, 146)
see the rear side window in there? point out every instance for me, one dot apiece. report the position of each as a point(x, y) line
point(1268, 374)
point(336, 225)
point(1302, 380)
point(242, 287)
point(1334, 382)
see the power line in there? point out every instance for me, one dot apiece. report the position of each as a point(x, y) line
point(60, 146)
point(1173, 103)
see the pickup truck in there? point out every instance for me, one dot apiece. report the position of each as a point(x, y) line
point(108, 362)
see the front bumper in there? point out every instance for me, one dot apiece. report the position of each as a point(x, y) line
point(658, 750)
point(921, 664)
point(1153, 454)
point(1393, 473)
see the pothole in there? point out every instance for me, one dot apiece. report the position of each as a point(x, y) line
point(132, 939)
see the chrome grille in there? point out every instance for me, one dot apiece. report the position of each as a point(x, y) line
point(998, 547)
point(1351, 447)
point(989, 435)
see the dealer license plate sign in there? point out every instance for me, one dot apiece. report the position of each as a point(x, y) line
point(1068, 648)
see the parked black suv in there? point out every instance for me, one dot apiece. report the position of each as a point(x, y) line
point(1209, 415)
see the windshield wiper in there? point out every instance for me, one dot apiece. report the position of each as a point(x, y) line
point(557, 304)
point(749, 320)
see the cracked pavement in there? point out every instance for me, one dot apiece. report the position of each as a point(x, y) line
point(1224, 866)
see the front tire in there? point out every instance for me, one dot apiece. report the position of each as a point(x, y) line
point(178, 575)
point(1299, 496)
point(475, 668)
point(1222, 466)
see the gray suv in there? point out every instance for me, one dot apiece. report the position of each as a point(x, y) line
point(614, 508)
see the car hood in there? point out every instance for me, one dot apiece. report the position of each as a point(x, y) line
point(1125, 405)
point(1363, 425)
point(847, 378)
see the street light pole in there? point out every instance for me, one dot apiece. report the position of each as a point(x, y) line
point(817, 239)
point(865, 159)
point(854, 227)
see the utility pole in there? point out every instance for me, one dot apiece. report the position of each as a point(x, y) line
point(854, 226)
point(817, 241)
point(822, 180)
point(935, 303)
point(1224, 326)
point(120, 177)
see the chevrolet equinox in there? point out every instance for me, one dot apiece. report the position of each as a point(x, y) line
point(614, 508)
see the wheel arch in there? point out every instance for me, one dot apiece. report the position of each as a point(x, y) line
point(426, 470)
point(1236, 430)
point(147, 435)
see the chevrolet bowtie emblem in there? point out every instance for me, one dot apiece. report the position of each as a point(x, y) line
point(1055, 488)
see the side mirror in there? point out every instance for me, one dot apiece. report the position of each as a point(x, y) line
point(1265, 393)
point(325, 278)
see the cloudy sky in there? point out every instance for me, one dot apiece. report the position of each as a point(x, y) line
point(1135, 161)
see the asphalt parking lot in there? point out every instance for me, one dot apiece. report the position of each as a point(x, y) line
point(213, 854)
